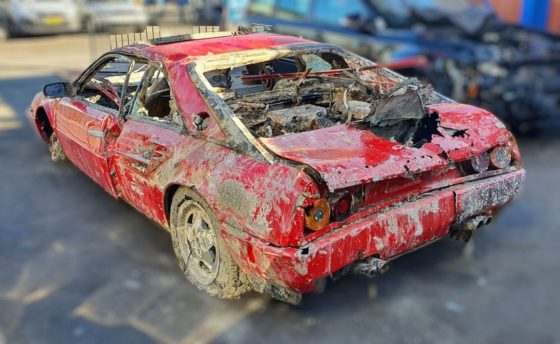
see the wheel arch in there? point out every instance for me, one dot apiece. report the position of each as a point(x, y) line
point(170, 192)
point(43, 123)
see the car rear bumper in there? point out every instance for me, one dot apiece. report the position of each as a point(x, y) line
point(386, 234)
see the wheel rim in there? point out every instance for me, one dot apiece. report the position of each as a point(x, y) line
point(55, 148)
point(197, 242)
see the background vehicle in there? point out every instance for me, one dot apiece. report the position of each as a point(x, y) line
point(464, 51)
point(109, 15)
point(38, 17)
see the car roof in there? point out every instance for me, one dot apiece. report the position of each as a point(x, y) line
point(174, 52)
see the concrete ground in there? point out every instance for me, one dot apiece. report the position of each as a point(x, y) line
point(79, 267)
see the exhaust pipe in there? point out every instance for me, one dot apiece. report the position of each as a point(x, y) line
point(466, 229)
point(370, 267)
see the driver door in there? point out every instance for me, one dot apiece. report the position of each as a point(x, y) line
point(87, 122)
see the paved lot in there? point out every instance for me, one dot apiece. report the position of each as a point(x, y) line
point(78, 266)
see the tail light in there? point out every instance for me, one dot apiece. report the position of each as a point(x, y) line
point(500, 157)
point(480, 163)
point(476, 164)
point(341, 206)
point(346, 202)
point(317, 216)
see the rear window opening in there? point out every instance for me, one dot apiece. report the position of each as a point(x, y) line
point(311, 90)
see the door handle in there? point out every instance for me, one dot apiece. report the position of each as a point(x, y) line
point(94, 130)
point(159, 153)
point(148, 160)
point(139, 166)
point(96, 133)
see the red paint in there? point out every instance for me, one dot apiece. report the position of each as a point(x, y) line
point(410, 196)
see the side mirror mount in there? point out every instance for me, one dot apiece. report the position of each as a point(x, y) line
point(201, 121)
point(58, 90)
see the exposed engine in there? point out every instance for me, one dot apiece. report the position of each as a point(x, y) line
point(313, 91)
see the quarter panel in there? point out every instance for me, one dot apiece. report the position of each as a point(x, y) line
point(248, 194)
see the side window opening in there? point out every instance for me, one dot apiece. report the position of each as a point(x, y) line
point(233, 80)
point(105, 86)
point(155, 99)
point(306, 90)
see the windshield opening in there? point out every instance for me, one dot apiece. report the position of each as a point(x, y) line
point(309, 89)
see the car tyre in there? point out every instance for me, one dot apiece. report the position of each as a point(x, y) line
point(11, 31)
point(57, 154)
point(200, 249)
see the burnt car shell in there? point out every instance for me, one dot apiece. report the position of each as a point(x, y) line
point(331, 130)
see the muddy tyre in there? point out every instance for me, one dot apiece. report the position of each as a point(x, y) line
point(57, 154)
point(201, 252)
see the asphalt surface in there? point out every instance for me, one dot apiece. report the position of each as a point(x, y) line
point(77, 266)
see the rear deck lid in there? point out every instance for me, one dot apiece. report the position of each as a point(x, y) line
point(347, 156)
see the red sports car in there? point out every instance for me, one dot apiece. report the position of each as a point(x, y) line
point(276, 162)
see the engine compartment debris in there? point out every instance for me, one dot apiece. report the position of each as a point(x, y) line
point(313, 90)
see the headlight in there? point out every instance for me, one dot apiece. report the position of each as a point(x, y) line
point(500, 157)
point(317, 215)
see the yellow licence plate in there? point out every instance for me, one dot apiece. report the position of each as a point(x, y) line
point(54, 20)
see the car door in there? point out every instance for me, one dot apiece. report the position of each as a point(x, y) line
point(88, 120)
point(152, 131)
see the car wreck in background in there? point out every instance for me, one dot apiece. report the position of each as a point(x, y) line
point(464, 51)
point(276, 162)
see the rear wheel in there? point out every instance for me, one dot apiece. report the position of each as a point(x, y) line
point(57, 154)
point(200, 249)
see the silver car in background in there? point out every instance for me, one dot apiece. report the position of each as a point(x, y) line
point(112, 15)
point(39, 17)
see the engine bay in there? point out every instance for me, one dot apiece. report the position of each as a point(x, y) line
point(309, 91)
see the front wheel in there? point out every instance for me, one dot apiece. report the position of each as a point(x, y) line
point(11, 31)
point(200, 249)
point(57, 154)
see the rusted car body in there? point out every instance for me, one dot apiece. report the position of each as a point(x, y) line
point(308, 160)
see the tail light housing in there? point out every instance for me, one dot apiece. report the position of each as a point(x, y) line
point(341, 205)
point(480, 163)
point(500, 157)
point(477, 164)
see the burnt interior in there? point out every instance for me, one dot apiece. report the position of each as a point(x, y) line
point(312, 90)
